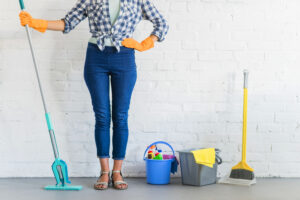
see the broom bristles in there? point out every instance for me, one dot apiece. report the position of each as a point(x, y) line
point(242, 174)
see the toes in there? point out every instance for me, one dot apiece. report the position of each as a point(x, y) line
point(100, 186)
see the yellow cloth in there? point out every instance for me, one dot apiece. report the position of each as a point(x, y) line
point(205, 157)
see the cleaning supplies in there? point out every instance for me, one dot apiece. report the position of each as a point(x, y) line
point(59, 167)
point(153, 148)
point(158, 155)
point(150, 154)
point(196, 174)
point(242, 173)
point(158, 171)
point(242, 170)
point(205, 157)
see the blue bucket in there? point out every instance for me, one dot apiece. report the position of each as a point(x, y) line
point(158, 171)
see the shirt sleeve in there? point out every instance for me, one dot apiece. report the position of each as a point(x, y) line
point(160, 25)
point(75, 16)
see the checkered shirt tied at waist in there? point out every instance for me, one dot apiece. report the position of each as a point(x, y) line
point(131, 13)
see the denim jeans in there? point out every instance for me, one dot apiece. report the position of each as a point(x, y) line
point(102, 69)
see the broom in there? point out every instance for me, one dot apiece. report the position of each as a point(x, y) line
point(242, 170)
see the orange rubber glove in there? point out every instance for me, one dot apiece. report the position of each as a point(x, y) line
point(148, 43)
point(37, 24)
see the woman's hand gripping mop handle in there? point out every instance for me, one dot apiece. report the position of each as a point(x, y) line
point(59, 167)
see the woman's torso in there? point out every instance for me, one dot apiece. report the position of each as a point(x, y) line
point(114, 10)
point(115, 27)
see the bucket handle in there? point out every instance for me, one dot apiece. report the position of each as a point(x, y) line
point(218, 158)
point(158, 142)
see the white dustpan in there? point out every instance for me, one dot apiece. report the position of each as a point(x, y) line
point(234, 181)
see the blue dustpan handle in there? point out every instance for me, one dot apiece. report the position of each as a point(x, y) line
point(158, 142)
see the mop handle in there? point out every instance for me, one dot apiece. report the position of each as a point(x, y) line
point(21, 4)
point(246, 75)
point(33, 58)
point(47, 115)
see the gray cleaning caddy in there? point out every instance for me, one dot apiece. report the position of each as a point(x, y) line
point(197, 174)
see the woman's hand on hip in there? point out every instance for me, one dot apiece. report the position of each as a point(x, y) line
point(146, 44)
point(37, 24)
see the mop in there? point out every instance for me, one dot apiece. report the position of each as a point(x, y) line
point(242, 173)
point(59, 167)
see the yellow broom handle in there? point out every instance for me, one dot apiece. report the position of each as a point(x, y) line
point(246, 74)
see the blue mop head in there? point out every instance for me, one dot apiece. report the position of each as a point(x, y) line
point(65, 187)
point(60, 171)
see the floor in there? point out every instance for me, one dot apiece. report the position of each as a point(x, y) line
point(31, 189)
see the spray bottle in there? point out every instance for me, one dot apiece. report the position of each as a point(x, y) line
point(158, 155)
point(151, 152)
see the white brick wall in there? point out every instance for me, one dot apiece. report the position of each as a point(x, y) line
point(189, 88)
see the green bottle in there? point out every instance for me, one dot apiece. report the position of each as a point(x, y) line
point(158, 156)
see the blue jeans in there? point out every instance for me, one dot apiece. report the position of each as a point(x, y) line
point(121, 68)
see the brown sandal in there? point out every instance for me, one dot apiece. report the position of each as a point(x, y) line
point(116, 183)
point(102, 183)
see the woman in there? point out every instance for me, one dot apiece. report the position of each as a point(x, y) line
point(110, 53)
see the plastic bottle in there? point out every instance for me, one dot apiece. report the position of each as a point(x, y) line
point(152, 148)
point(161, 154)
point(150, 154)
point(158, 155)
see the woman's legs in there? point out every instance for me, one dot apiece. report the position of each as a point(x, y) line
point(104, 163)
point(122, 83)
point(122, 70)
point(96, 77)
point(117, 176)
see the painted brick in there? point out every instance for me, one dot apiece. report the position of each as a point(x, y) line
point(188, 92)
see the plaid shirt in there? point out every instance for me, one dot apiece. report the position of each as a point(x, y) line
point(131, 13)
